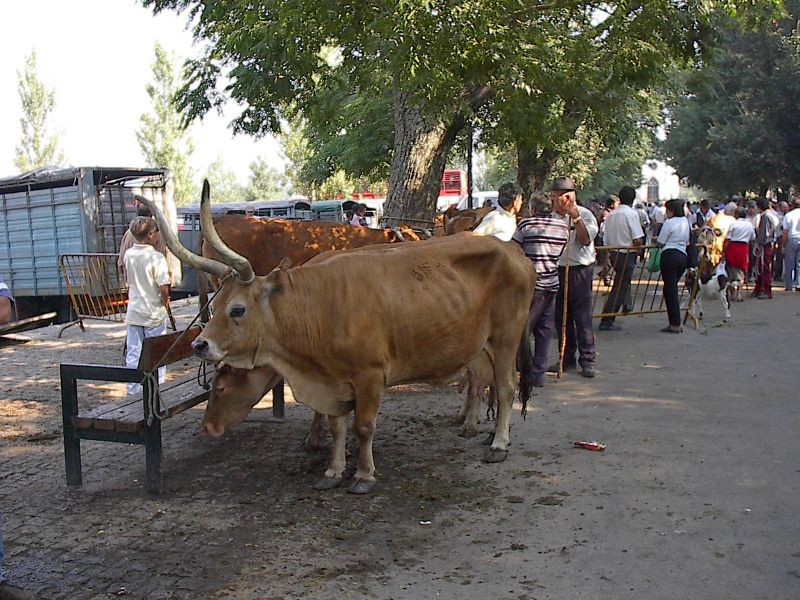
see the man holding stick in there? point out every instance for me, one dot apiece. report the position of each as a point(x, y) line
point(575, 273)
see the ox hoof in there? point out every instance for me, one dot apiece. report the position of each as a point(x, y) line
point(327, 483)
point(495, 456)
point(487, 441)
point(459, 420)
point(361, 486)
point(469, 433)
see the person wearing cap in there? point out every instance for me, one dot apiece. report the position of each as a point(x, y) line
point(502, 221)
point(623, 229)
point(542, 238)
point(581, 255)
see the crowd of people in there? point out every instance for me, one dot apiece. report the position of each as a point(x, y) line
point(754, 241)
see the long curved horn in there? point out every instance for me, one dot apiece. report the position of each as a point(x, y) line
point(239, 263)
point(209, 265)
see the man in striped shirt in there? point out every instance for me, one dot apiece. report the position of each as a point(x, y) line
point(543, 237)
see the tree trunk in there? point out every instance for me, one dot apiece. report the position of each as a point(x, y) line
point(533, 168)
point(421, 147)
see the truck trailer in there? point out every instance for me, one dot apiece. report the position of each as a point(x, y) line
point(53, 211)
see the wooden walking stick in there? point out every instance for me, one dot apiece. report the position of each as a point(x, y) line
point(565, 304)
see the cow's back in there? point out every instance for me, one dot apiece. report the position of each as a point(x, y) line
point(420, 311)
point(265, 242)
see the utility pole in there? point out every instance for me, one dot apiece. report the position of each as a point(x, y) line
point(469, 166)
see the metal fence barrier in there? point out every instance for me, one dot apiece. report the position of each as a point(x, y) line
point(96, 287)
point(645, 294)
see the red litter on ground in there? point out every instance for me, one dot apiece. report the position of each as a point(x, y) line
point(596, 446)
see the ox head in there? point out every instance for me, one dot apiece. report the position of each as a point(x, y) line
point(237, 329)
point(234, 393)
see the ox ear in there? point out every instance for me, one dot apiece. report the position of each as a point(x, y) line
point(286, 263)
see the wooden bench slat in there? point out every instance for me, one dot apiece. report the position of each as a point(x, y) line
point(128, 414)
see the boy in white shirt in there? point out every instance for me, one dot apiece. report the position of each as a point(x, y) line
point(148, 293)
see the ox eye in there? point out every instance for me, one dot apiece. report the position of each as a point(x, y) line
point(237, 312)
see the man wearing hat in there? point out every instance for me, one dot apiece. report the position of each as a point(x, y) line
point(577, 310)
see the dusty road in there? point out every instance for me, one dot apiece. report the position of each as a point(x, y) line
point(696, 496)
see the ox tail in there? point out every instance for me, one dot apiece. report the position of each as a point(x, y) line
point(525, 368)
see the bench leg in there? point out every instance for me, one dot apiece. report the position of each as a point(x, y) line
point(152, 449)
point(72, 443)
point(152, 442)
point(277, 401)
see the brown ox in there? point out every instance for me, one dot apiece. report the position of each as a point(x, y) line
point(449, 304)
point(234, 392)
point(264, 242)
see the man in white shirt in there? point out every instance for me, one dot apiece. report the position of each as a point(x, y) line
point(622, 229)
point(791, 247)
point(581, 253)
point(502, 221)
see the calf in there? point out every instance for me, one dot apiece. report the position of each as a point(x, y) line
point(707, 280)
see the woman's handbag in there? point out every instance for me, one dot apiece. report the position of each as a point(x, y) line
point(653, 263)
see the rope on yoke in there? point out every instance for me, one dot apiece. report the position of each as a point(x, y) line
point(202, 375)
point(154, 397)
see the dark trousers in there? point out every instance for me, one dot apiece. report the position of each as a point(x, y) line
point(763, 271)
point(580, 335)
point(673, 264)
point(777, 262)
point(541, 322)
point(623, 263)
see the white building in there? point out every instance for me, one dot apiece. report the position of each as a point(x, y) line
point(659, 182)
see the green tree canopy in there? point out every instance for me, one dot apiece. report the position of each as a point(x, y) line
point(737, 128)
point(38, 147)
point(548, 68)
point(162, 137)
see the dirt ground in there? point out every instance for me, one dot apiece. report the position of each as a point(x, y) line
point(695, 497)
